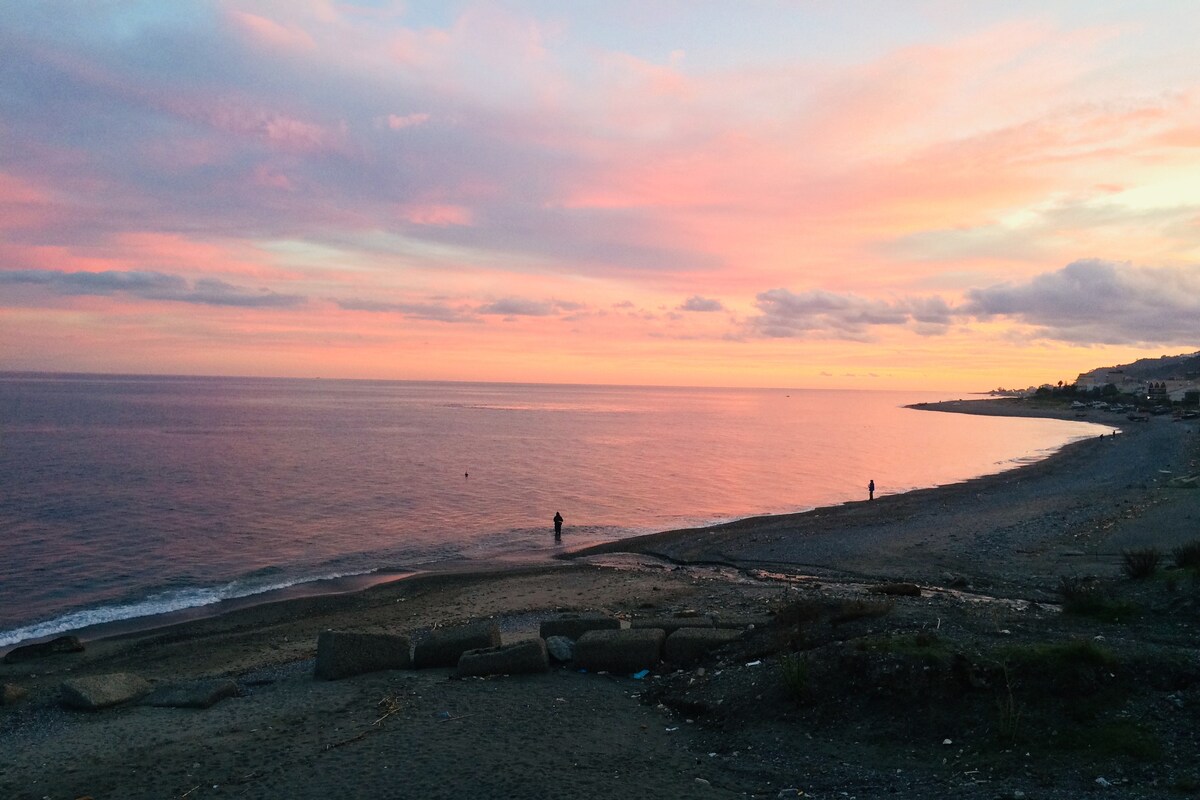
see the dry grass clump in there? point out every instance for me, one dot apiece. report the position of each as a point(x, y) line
point(1083, 597)
point(1140, 564)
point(1187, 556)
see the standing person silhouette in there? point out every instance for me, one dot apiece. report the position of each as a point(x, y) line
point(557, 526)
point(871, 490)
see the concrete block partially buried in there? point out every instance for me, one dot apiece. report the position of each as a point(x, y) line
point(628, 650)
point(519, 658)
point(194, 694)
point(573, 626)
point(445, 646)
point(54, 647)
point(672, 624)
point(742, 621)
point(341, 654)
point(687, 646)
point(95, 692)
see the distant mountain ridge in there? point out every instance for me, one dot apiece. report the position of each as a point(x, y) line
point(1180, 368)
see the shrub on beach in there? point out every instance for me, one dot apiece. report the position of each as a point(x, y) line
point(1083, 597)
point(1187, 556)
point(852, 610)
point(1140, 564)
point(794, 671)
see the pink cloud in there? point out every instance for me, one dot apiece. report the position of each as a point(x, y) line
point(269, 32)
point(436, 214)
point(22, 204)
point(396, 122)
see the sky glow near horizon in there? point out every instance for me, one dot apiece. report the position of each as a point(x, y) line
point(846, 195)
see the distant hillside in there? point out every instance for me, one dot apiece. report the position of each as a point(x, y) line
point(1180, 368)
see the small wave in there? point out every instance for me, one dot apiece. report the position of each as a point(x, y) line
point(159, 603)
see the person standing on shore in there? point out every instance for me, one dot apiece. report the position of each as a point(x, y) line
point(871, 490)
point(557, 526)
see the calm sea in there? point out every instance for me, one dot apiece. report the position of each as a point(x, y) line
point(123, 497)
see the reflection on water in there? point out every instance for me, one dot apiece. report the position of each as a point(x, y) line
point(114, 491)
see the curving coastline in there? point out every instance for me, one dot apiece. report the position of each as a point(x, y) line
point(1010, 534)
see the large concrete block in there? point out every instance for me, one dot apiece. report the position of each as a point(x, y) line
point(686, 646)
point(573, 626)
point(672, 624)
point(443, 647)
point(103, 691)
point(341, 654)
point(520, 658)
point(619, 651)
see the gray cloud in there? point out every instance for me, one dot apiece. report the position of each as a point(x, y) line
point(821, 314)
point(435, 312)
point(1101, 302)
point(698, 303)
point(151, 286)
point(1091, 301)
point(517, 307)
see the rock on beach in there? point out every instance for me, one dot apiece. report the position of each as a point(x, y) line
point(29, 652)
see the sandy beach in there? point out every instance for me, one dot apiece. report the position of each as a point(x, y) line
point(987, 557)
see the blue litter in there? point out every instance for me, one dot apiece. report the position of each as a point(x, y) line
point(642, 674)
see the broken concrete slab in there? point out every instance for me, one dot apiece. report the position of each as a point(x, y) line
point(445, 646)
point(95, 692)
point(519, 658)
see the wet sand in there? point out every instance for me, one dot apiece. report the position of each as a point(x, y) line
point(563, 734)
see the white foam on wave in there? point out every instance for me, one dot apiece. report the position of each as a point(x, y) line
point(155, 604)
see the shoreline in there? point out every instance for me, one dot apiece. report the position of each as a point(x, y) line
point(641, 543)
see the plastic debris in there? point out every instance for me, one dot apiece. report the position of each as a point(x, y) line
point(754, 663)
point(641, 674)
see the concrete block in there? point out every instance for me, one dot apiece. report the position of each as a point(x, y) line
point(620, 650)
point(341, 654)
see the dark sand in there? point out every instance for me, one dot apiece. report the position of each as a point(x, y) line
point(567, 734)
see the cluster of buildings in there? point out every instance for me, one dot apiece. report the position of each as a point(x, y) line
point(1181, 388)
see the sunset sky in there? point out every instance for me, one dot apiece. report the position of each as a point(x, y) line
point(944, 195)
